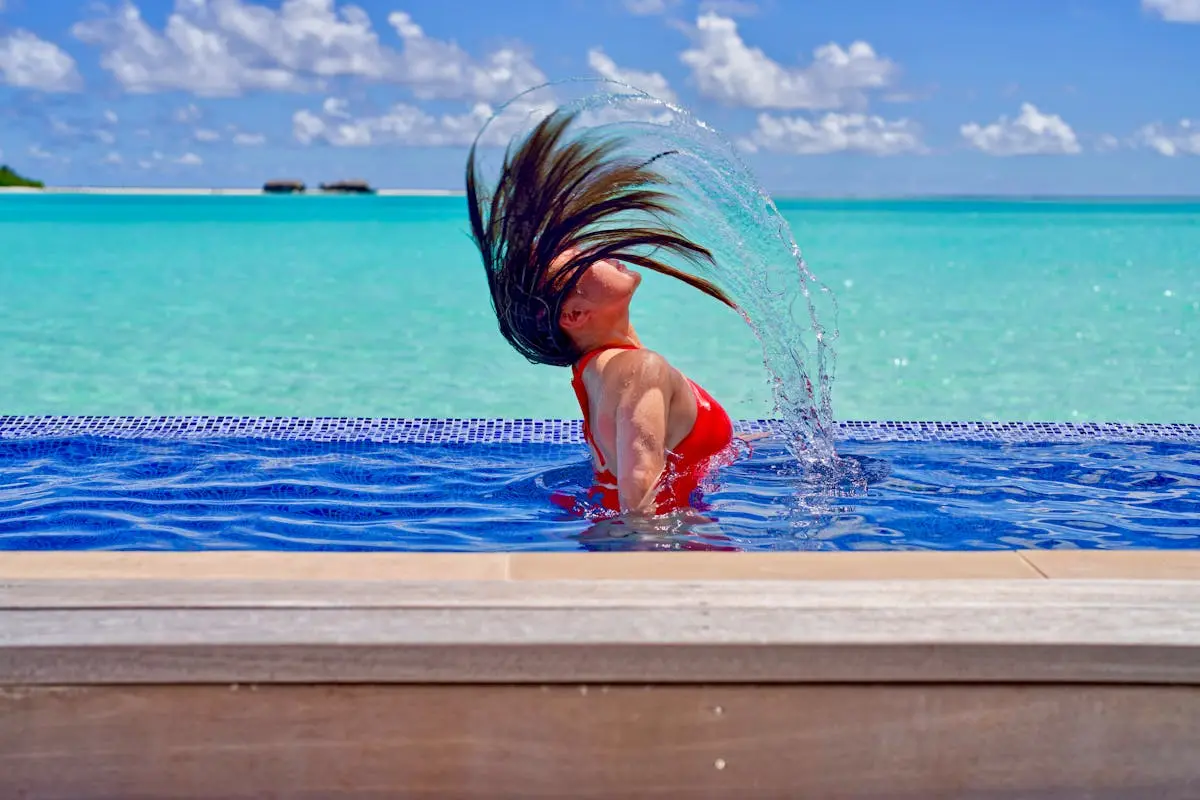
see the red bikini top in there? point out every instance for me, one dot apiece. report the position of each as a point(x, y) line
point(687, 463)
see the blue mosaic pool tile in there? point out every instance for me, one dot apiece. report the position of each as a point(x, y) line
point(426, 430)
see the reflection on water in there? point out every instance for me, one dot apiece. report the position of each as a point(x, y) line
point(84, 493)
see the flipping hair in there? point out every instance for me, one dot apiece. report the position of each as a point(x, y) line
point(553, 196)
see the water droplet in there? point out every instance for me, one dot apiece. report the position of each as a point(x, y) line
point(1095, 288)
point(849, 284)
point(1168, 293)
point(719, 763)
point(718, 711)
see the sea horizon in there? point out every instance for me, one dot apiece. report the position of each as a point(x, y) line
point(441, 192)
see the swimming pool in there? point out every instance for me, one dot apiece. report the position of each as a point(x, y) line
point(486, 485)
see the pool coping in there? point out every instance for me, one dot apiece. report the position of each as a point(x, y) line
point(258, 565)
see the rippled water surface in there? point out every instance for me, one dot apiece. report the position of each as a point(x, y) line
point(93, 494)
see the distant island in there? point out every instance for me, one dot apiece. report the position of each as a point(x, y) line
point(288, 186)
point(9, 178)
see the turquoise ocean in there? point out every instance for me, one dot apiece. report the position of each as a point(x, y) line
point(949, 309)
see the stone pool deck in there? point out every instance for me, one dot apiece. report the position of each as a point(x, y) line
point(1009, 674)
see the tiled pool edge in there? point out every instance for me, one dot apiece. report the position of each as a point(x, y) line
point(552, 431)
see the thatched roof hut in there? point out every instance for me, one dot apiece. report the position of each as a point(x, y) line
point(284, 187)
point(348, 187)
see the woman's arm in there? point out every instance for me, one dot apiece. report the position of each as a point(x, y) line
point(642, 383)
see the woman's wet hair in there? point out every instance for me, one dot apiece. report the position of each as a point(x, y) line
point(555, 195)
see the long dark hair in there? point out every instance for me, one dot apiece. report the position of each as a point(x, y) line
point(552, 196)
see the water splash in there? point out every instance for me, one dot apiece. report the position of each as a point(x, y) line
point(724, 208)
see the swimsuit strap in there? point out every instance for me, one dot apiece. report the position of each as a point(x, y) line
point(587, 357)
point(577, 382)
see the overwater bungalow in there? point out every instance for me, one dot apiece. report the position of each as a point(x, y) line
point(348, 187)
point(284, 187)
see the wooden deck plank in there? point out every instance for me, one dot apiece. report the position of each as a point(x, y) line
point(613, 594)
point(898, 742)
point(1137, 632)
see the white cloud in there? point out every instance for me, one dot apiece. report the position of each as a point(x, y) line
point(645, 8)
point(407, 125)
point(190, 54)
point(1107, 143)
point(433, 68)
point(111, 117)
point(62, 128)
point(336, 107)
point(206, 135)
point(653, 83)
point(403, 124)
point(189, 160)
point(32, 63)
point(307, 127)
point(833, 133)
point(37, 152)
point(228, 47)
point(113, 158)
point(726, 69)
point(729, 8)
point(1183, 139)
point(249, 139)
point(1174, 10)
point(1031, 133)
point(187, 114)
point(105, 137)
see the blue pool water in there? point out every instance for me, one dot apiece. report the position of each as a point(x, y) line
point(487, 487)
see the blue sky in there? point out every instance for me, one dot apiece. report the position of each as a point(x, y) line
point(827, 97)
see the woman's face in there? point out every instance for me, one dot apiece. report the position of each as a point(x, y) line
point(607, 283)
point(605, 286)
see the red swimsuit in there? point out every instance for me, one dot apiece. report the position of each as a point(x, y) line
point(686, 465)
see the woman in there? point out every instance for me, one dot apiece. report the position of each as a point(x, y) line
point(554, 235)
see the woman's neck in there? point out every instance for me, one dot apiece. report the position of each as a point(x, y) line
point(619, 334)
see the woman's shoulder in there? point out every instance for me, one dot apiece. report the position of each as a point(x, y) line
point(637, 370)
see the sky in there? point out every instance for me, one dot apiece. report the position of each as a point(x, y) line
point(820, 97)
